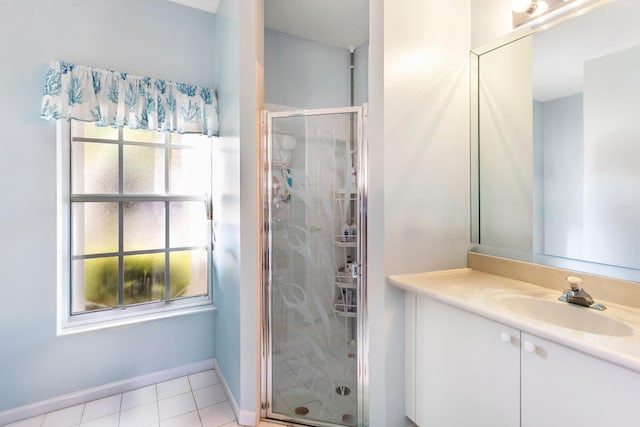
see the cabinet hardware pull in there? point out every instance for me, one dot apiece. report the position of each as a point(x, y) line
point(529, 347)
point(505, 337)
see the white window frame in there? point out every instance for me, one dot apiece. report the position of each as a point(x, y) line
point(89, 321)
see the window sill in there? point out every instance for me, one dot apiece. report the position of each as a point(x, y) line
point(130, 316)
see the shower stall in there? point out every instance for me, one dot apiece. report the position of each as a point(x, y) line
point(314, 337)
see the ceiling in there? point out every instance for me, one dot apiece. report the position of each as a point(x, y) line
point(340, 23)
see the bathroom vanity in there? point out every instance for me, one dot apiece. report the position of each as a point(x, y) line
point(554, 130)
point(488, 350)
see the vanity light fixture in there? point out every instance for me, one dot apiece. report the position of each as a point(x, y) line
point(520, 6)
point(530, 7)
point(536, 12)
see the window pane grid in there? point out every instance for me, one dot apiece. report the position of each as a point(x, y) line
point(167, 224)
point(137, 198)
point(173, 145)
point(144, 252)
point(96, 140)
point(138, 275)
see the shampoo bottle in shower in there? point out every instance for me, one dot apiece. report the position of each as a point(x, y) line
point(345, 232)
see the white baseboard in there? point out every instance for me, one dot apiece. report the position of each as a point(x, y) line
point(244, 418)
point(106, 390)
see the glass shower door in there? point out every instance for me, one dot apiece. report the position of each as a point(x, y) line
point(312, 276)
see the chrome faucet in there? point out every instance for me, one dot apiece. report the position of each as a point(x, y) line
point(577, 295)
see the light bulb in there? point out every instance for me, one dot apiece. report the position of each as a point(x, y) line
point(519, 6)
point(541, 8)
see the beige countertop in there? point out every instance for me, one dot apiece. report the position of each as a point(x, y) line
point(487, 295)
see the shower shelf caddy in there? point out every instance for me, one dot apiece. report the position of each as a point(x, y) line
point(345, 301)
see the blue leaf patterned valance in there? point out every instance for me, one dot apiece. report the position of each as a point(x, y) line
point(110, 98)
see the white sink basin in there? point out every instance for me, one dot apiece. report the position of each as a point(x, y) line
point(566, 315)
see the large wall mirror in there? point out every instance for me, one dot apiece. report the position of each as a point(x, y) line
point(556, 144)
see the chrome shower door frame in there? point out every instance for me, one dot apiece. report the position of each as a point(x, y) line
point(266, 279)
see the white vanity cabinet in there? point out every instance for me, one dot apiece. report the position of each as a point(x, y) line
point(563, 387)
point(466, 370)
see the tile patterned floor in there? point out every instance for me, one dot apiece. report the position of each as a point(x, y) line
point(196, 400)
point(309, 365)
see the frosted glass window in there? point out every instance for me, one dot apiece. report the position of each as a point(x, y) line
point(143, 170)
point(144, 278)
point(185, 139)
point(143, 225)
point(188, 171)
point(90, 130)
point(188, 272)
point(187, 225)
point(133, 239)
point(94, 228)
point(94, 168)
point(141, 135)
point(94, 284)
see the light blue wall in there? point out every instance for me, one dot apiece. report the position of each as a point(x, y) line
point(148, 37)
point(361, 75)
point(251, 64)
point(538, 177)
point(238, 60)
point(227, 200)
point(563, 141)
point(303, 73)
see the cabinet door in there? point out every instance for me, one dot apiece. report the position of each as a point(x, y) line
point(563, 387)
point(467, 369)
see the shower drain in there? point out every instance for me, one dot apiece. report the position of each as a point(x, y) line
point(348, 419)
point(343, 390)
point(302, 410)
